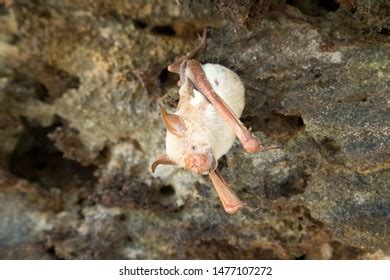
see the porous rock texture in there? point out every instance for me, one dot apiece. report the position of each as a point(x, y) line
point(80, 83)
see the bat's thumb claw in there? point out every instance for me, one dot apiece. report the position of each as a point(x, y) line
point(252, 145)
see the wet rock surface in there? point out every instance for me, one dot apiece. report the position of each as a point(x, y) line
point(80, 84)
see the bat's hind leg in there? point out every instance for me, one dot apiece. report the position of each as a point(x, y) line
point(186, 86)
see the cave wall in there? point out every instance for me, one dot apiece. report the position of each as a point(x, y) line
point(80, 83)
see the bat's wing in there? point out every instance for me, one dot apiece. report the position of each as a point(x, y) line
point(187, 66)
point(231, 203)
point(198, 77)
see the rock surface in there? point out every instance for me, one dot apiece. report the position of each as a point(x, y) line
point(80, 83)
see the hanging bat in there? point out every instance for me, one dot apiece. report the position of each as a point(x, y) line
point(203, 129)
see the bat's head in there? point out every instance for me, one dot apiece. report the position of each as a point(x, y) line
point(199, 161)
point(187, 147)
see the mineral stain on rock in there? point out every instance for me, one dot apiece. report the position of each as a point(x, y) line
point(80, 83)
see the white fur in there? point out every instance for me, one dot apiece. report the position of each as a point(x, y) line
point(206, 128)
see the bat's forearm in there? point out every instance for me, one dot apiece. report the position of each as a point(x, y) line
point(198, 77)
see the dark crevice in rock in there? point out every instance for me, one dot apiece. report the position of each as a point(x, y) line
point(23, 86)
point(167, 191)
point(163, 77)
point(182, 29)
point(68, 142)
point(293, 184)
point(57, 82)
point(167, 196)
point(156, 80)
point(121, 218)
point(52, 252)
point(3, 9)
point(167, 80)
point(185, 30)
point(35, 158)
point(164, 30)
point(48, 81)
point(314, 8)
point(385, 31)
point(275, 125)
point(140, 24)
point(329, 5)
point(329, 147)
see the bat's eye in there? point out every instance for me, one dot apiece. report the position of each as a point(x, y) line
point(193, 148)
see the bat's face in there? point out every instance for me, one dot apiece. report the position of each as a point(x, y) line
point(191, 153)
point(200, 163)
point(187, 144)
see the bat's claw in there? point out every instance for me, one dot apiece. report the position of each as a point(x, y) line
point(252, 145)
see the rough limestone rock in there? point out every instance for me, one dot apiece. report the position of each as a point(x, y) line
point(80, 83)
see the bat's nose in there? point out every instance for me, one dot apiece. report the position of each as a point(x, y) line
point(198, 163)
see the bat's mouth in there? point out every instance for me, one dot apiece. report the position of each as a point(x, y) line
point(200, 163)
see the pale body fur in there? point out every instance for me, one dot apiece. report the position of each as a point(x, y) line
point(207, 131)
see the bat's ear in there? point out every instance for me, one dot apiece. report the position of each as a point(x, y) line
point(163, 159)
point(174, 123)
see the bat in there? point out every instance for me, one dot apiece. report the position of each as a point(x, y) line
point(206, 122)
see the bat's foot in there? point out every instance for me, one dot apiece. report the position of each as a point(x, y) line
point(175, 67)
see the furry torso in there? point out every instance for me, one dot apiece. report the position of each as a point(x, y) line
point(204, 123)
